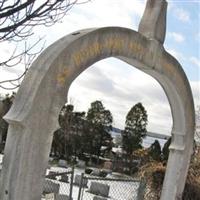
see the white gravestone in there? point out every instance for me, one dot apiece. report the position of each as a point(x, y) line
point(99, 189)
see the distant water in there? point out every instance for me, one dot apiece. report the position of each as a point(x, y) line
point(147, 141)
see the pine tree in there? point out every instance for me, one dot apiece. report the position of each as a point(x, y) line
point(100, 121)
point(135, 128)
point(165, 150)
point(67, 140)
point(155, 150)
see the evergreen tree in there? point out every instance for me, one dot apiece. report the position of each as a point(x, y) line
point(67, 140)
point(61, 147)
point(100, 123)
point(165, 150)
point(135, 128)
point(87, 138)
point(155, 150)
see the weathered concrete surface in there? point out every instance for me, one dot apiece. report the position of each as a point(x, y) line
point(33, 116)
point(153, 23)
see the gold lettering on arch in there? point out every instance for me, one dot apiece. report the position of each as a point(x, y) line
point(115, 44)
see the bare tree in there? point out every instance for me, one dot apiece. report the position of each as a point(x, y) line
point(17, 20)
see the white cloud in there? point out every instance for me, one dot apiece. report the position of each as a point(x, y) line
point(96, 14)
point(120, 86)
point(182, 15)
point(177, 37)
point(7, 74)
point(92, 14)
point(195, 61)
point(176, 54)
point(6, 50)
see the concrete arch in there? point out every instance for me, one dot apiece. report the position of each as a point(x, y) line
point(33, 117)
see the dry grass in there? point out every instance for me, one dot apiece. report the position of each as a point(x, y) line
point(153, 172)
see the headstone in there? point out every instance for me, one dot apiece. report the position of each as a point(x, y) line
point(62, 163)
point(99, 189)
point(64, 178)
point(52, 173)
point(99, 198)
point(78, 181)
point(95, 172)
point(50, 187)
point(62, 197)
point(81, 164)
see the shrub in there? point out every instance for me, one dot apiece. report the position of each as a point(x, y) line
point(191, 191)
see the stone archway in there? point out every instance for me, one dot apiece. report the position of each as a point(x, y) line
point(33, 116)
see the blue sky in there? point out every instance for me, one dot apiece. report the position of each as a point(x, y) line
point(184, 20)
point(118, 85)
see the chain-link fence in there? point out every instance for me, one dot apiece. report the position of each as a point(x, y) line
point(96, 188)
point(73, 186)
point(58, 186)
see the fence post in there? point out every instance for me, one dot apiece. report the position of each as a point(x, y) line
point(71, 183)
point(80, 187)
point(141, 190)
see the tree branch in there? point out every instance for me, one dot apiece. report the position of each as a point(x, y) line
point(17, 20)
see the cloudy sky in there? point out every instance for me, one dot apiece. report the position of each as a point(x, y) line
point(118, 85)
